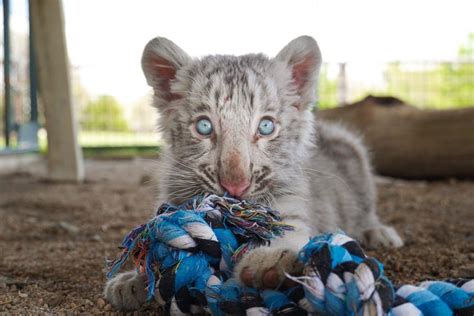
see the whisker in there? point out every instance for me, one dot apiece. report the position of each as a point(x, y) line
point(168, 156)
point(326, 174)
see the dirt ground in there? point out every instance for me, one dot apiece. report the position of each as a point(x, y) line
point(54, 236)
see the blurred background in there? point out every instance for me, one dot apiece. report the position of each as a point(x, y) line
point(401, 73)
point(421, 53)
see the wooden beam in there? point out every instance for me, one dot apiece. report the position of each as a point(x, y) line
point(64, 154)
point(407, 142)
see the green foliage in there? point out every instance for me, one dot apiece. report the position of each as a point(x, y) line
point(467, 49)
point(445, 85)
point(118, 152)
point(327, 90)
point(103, 114)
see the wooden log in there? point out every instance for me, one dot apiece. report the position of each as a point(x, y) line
point(64, 155)
point(411, 143)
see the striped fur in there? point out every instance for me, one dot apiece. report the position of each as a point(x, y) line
point(317, 174)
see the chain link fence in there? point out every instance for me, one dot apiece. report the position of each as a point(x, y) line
point(424, 84)
point(107, 122)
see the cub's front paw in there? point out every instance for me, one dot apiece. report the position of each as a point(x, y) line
point(265, 267)
point(381, 236)
point(126, 291)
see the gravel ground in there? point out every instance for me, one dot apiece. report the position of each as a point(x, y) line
point(54, 236)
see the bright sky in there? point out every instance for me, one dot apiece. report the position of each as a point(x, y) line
point(106, 37)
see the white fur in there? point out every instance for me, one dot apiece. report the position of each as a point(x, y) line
point(318, 175)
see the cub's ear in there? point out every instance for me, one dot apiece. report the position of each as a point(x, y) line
point(161, 60)
point(303, 58)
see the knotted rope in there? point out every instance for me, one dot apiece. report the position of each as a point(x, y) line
point(188, 252)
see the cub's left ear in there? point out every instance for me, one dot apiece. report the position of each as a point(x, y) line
point(303, 58)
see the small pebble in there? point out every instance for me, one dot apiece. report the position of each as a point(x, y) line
point(146, 179)
point(467, 269)
point(397, 267)
point(55, 301)
point(95, 310)
point(100, 302)
point(71, 244)
point(70, 228)
point(88, 302)
point(108, 307)
point(3, 285)
point(23, 295)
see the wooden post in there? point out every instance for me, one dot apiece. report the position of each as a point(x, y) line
point(64, 154)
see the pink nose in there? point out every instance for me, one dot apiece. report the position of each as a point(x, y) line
point(236, 188)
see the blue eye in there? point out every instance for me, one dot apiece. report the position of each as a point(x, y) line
point(204, 127)
point(266, 127)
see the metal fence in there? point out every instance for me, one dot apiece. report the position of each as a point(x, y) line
point(18, 105)
point(105, 122)
point(425, 84)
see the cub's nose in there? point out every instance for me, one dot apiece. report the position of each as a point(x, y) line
point(236, 189)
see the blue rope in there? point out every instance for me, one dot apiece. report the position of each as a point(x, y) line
point(188, 252)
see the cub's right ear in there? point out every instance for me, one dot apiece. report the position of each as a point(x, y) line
point(161, 60)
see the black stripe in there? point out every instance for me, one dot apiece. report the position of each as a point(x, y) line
point(205, 181)
point(296, 294)
point(166, 284)
point(208, 175)
point(373, 266)
point(194, 249)
point(167, 308)
point(348, 266)
point(200, 298)
point(292, 310)
point(458, 281)
point(385, 291)
point(210, 247)
point(217, 96)
point(223, 275)
point(203, 108)
point(207, 86)
point(231, 307)
point(399, 300)
point(263, 175)
point(354, 249)
point(251, 299)
point(466, 311)
point(183, 299)
point(321, 261)
point(214, 222)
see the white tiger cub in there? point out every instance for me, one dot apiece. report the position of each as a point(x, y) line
point(243, 124)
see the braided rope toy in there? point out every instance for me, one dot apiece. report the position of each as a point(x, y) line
point(188, 252)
